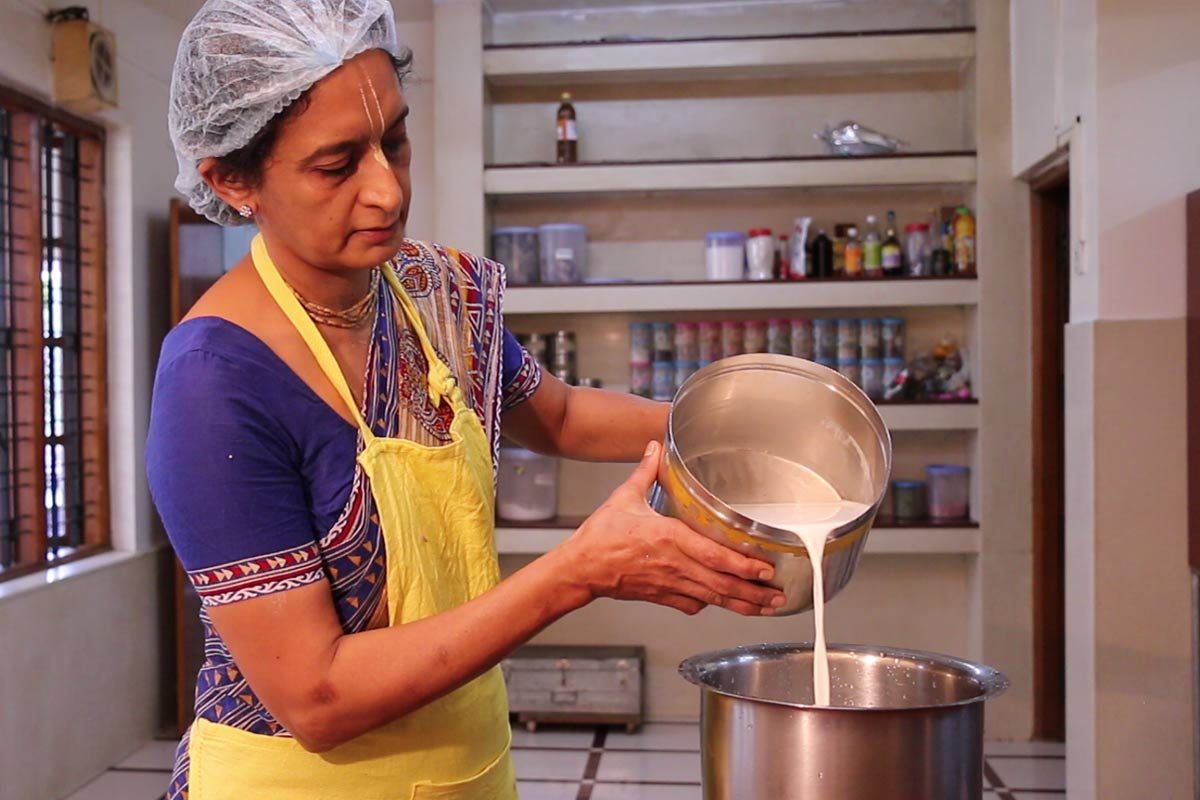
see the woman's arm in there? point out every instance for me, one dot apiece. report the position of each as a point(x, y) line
point(586, 424)
point(327, 687)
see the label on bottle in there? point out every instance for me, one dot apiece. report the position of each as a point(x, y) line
point(854, 259)
point(891, 257)
point(872, 256)
point(567, 131)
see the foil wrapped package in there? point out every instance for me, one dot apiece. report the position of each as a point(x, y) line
point(849, 138)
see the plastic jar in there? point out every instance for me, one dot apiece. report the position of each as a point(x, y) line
point(517, 249)
point(872, 378)
point(755, 338)
point(662, 380)
point(825, 340)
point(779, 336)
point(527, 488)
point(802, 338)
point(687, 341)
point(760, 255)
point(891, 337)
point(916, 248)
point(564, 253)
point(949, 487)
point(908, 501)
point(641, 343)
point(664, 342)
point(892, 367)
point(733, 339)
point(641, 379)
point(852, 369)
point(683, 371)
point(847, 339)
point(869, 331)
point(724, 255)
point(710, 341)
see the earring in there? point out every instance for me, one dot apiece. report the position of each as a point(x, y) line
point(246, 211)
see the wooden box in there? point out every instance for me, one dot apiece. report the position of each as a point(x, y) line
point(576, 685)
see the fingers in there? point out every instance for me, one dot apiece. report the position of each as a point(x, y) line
point(688, 605)
point(642, 478)
point(720, 558)
point(717, 589)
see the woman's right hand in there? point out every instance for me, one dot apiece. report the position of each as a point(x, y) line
point(627, 551)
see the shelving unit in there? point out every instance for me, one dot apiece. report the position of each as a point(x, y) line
point(740, 295)
point(906, 169)
point(727, 58)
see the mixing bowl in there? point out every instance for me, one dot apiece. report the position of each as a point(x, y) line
point(749, 429)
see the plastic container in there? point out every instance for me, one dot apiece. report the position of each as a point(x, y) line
point(662, 381)
point(802, 339)
point(687, 341)
point(710, 341)
point(724, 255)
point(852, 369)
point(869, 331)
point(892, 367)
point(664, 342)
point(755, 339)
point(916, 248)
point(760, 255)
point(733, 339)
point(641, 343)
point(847, 339)
point(564, 253)
point(684, 370)
point(641, 379)
point(949, 488)
point(779, 336)
point(517, 249)
point(872, 378)
point(528, 485)
point(891, 337)
point(825, 340)
point(908, 501)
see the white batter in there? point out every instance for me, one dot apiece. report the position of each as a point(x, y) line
point(812, 522)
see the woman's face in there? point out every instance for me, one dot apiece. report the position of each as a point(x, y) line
point(335, 189)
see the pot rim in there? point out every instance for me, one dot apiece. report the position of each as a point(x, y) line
point(834, 381)
point(992, 682)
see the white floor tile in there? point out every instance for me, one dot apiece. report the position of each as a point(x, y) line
point(155, 754)
point(124, 786)
point(555, 765)
point(649, 766)
point(548, 790)
point(657, 736)
point(644, 791)
point(1024, 748)
point(1031, 774)
point(569, 738)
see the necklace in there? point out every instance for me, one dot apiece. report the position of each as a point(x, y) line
point(345, 318)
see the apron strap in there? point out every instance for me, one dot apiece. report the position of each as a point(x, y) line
point(307, 329)
point(441, 380)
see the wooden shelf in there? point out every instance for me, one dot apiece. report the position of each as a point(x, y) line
point(728, 58)
point(535, 539)
point(901, 169)
point(741, 295)
point(930, 416)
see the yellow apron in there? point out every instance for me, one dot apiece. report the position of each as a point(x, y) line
point(435, 506)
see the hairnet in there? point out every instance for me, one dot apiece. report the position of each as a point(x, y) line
point(241, 62)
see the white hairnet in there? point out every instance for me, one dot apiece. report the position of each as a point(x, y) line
point(241, 62)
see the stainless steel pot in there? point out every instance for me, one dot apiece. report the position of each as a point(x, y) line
point(746, 430)
point(902, 724)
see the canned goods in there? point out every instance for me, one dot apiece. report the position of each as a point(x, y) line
point(710, 341)
point(687, 342)
point(640, 379)
point(852, 369)
point(662, 380)
point(539, 347)
point(802, 338)
point(683, 371)
point(664, 341)
point(779, 337)
point(566, 375)
point(892, 337)
point(825, 340)
point(892, 367)
point(733, 339)
point(564, 343)
point(872, 378)
point(868, 338)
point(641, 343)
point(755, 338)
point(847, 340)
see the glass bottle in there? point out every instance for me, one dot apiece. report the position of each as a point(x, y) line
point(854, 253)
point(893, 261)
point(568, 134)
point(872, 248)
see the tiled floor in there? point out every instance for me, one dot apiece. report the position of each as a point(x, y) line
point(660, 762)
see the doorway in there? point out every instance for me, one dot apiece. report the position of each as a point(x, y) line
point(1050, 207)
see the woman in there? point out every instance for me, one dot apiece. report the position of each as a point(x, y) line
point(323, 437)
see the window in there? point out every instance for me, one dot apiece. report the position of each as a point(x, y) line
point(53, 424)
